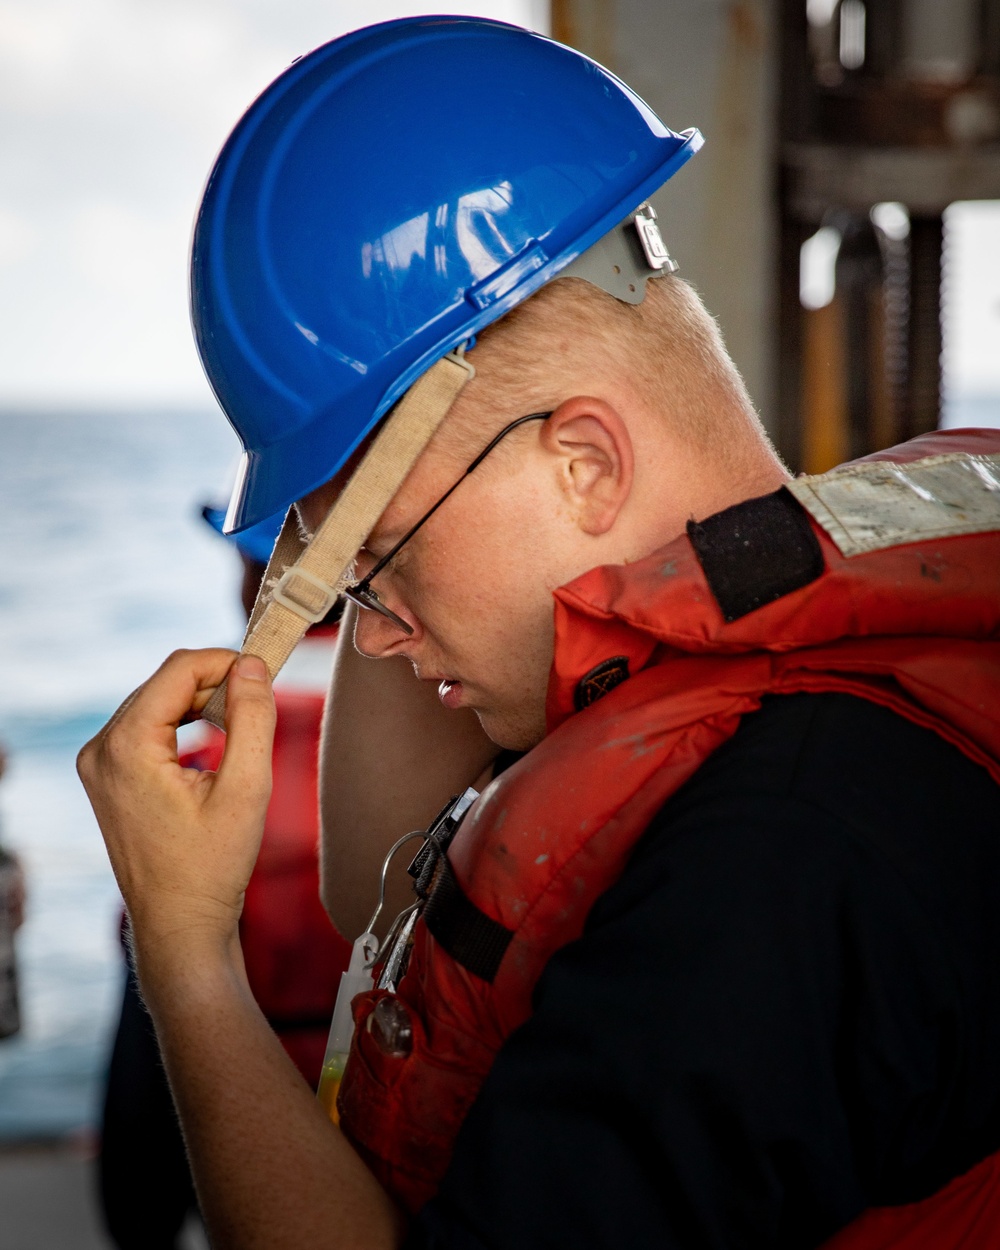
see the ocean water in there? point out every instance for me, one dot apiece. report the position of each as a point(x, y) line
point(106, 567)
point(970, 410)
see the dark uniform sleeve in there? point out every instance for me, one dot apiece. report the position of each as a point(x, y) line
point(772, 1020)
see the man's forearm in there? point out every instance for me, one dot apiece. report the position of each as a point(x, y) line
point(270, 1169)
point(391, 757)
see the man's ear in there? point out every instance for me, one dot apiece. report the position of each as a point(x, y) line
point(595, 459)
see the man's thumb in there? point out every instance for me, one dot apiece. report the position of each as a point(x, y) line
point(250, 718)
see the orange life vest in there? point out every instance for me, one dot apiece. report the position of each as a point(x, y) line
point(913, 626)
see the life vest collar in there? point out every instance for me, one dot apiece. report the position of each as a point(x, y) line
point(746, 579)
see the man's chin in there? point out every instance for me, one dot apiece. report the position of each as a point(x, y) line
point(512, 731)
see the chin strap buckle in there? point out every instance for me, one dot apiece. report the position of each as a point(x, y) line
point(303, 593)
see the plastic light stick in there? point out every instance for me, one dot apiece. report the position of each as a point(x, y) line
point(356, 980)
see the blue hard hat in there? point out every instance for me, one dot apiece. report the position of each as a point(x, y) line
point(387, 197)
point(256, 542)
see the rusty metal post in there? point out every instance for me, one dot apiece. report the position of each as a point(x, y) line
point(859, 275)
point(825, 410)
point(923, 398)
point(588, 25)
point(790, 343)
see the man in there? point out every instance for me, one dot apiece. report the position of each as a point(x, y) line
point(709, 966)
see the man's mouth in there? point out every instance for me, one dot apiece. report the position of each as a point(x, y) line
point(450, 693)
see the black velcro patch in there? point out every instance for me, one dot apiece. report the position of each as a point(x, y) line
point(468, 935)
point(757, 551)
point(600, 681)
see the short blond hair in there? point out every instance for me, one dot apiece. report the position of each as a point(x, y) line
point(668, 349)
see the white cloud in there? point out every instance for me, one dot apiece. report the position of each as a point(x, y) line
point(112, 112)
point(123, 251)
point(17, 237)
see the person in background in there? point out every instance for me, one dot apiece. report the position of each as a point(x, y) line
point(294, 956)
point(11, 919)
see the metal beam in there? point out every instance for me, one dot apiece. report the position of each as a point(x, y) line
point(925, 180)
point(711, 64)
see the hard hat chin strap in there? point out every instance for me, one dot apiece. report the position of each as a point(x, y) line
point(303, 579)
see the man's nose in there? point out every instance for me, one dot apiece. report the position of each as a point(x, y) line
point(377, 637)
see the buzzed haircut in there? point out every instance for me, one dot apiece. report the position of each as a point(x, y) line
point(667, 349)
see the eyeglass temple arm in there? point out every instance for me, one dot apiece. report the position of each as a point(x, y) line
point(380, 565)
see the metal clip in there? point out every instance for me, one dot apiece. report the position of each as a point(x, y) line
point(398, 943)
point(652, 241)
point(407, 837)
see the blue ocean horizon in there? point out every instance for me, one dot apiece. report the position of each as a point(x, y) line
point(108, 568)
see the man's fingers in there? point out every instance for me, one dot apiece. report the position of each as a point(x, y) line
point(151, 713)
point(199, 703)
point(250, 717)
point(182, 681)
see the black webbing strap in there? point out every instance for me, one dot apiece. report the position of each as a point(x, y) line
point(468, 935)
point(756, 552)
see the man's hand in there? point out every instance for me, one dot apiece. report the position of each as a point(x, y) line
point(272, 1172)
point(183, 843)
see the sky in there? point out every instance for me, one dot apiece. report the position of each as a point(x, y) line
point(111, 113)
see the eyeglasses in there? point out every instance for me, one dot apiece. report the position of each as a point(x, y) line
point(361, 592)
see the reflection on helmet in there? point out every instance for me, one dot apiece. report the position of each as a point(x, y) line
point(387, 197)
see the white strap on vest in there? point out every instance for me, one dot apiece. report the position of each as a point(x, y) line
point(303, 580)
point(882, 503)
